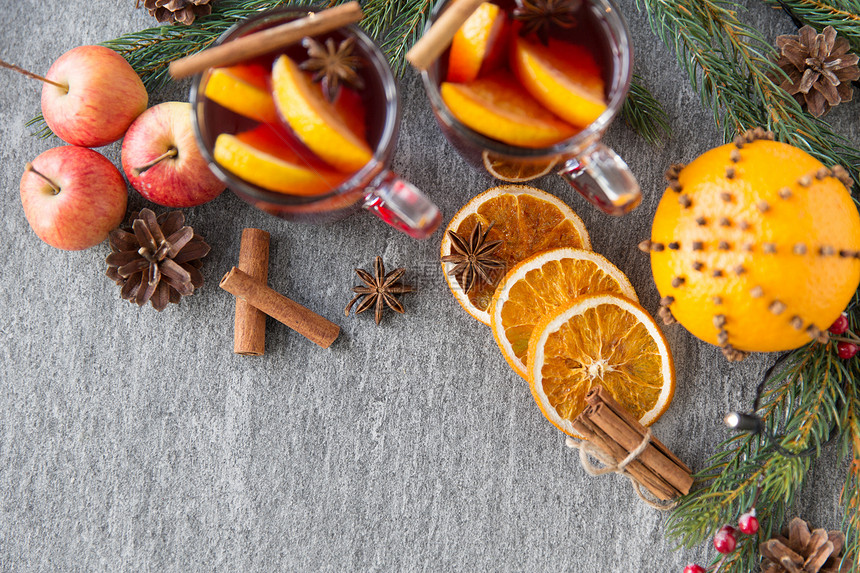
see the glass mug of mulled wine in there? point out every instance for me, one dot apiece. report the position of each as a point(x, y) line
point(529, 87)
point(303, 144)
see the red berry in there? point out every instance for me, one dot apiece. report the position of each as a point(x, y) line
point(724, 540)
point(840, 326)
point(846, 350)
point(748, 523)
point(693, 568)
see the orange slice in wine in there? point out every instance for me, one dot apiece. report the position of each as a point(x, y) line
point(316, 121)
point(479, 43)
point(563, 77)
point(262, 156)
point(243, 89)
point(498, 107)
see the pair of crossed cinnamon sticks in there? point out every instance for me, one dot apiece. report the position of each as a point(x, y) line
point(610, 427)
point(255, 300)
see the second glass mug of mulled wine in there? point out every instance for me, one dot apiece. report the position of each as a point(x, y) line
point(306, 150)
point(529, 87)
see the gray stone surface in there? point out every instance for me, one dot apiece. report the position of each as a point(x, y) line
point(137, 441)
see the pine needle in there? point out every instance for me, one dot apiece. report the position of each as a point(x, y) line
point(644, 114)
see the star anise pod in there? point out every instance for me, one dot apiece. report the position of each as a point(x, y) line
point(473, 258)
point(820, 68)
point(379, 290)
point(540, 16)
point(157, 260)
point(332, 65)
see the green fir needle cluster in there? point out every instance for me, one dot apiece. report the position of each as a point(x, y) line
point(843, 15)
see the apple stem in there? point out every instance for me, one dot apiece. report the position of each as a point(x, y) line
point(54, 186)
point(32, 75)
point(169, 153)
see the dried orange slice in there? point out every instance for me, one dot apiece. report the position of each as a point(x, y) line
point(244, 90)
point(516, 171)
point(314, 120)
point(541, 284)
point(526, 219)
point(600, 339)
point(478, 43)
point(260, 156)
point(563, 77)
point(498, 107)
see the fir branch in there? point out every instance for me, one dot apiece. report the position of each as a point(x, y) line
point(41, 129)
point(150, 51)
point(843, 16)
point(644, 114)
point(403, 28)
point(732, 67)
point(850, 495)
point(805, 402)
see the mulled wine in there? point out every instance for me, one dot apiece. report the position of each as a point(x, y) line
point(307, 132)
point(528, 87)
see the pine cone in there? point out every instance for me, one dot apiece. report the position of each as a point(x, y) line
point(158, 261)
point(819, 67)
point(181, 11)
point(804, 552)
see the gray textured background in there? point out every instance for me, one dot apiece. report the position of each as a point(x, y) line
point(137, 441)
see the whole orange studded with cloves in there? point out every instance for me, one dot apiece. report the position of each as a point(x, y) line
point(755, 246)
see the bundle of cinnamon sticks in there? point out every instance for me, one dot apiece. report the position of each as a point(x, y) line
point(611, 428)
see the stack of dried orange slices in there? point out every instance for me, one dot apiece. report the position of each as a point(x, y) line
point(564, 317)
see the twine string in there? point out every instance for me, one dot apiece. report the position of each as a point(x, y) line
point(588, 450)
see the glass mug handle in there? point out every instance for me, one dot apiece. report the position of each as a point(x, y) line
point(403, 206)
point(604, 179)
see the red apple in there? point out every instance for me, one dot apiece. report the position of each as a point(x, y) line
point(161, 159)
point(73, 197)
point(104, 96)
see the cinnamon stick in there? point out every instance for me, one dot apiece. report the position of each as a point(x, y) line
point(645, 476)
point(249, 326)
point(628, 438)
point(599, 394)
point(309, 324)
point(268, 40)
point(439, 36)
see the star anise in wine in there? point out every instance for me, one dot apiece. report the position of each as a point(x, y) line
point(540, 16)
point(332, 64)
point(473, 258)
point(380, 290)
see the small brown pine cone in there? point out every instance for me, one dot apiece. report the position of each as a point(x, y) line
point(156, 259)
point(178, 11)
point(820, 68)
point(800, 550)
